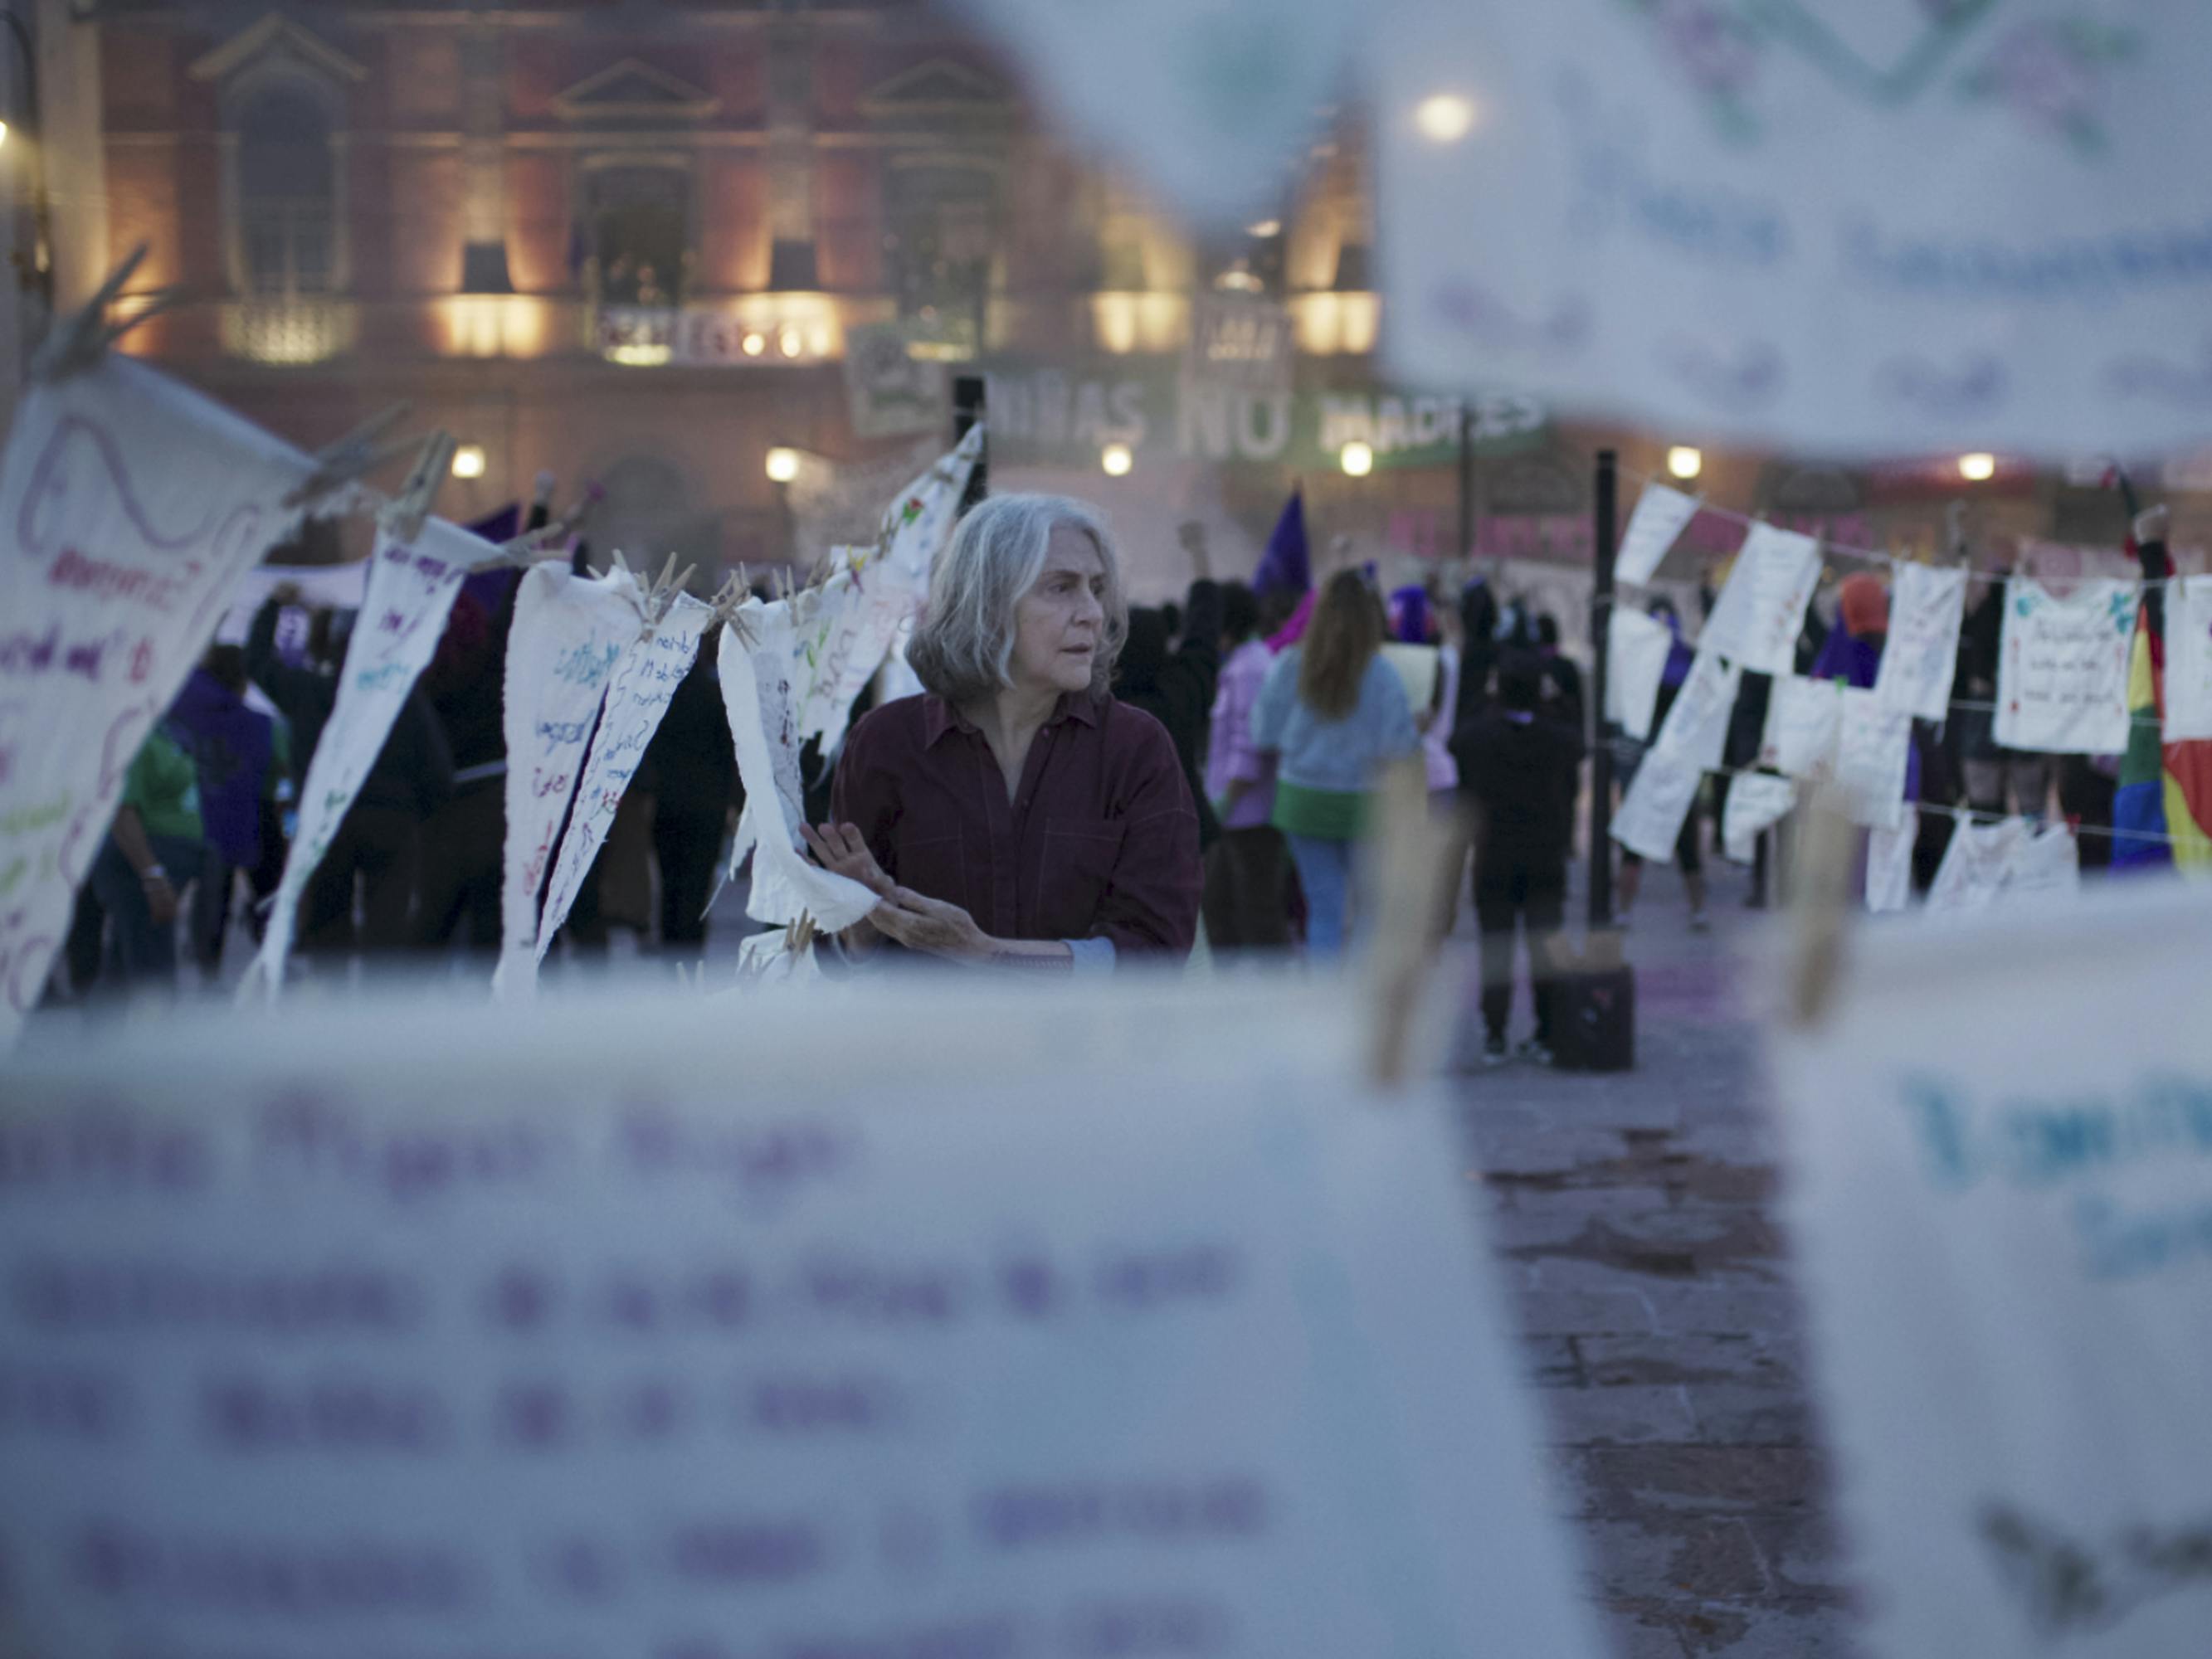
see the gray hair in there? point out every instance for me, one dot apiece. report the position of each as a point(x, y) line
point(963, 647)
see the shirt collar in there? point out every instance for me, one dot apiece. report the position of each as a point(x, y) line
point(938, 716)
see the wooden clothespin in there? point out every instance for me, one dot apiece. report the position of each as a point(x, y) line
point(1828, 840)
point(354, 456)
point(401, 518)
point(80, 340)
point(1412, 850)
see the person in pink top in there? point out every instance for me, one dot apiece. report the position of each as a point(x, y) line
point(1246, 902)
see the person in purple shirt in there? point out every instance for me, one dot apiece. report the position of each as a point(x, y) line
point(1014, 815)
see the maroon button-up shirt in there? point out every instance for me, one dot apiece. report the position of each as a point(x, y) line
point(1100, 841)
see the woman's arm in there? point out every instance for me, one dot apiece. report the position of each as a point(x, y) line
point(1150, 903)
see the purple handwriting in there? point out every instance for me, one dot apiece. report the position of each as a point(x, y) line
point(114, 1561)
point(168, 1293)
point(101, 1148)
point(305, 1135)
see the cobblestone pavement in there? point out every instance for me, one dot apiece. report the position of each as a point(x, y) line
point(1633, 1214)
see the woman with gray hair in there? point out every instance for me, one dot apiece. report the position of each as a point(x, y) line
point(1014, 814)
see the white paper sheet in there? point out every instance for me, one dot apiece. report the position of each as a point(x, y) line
point(2188, 659)
point(1696, 727)
point(2062, 667)
point(1879, 228)
point(2044, 861)
point(637, 1325)
point(1889, 864)
point(755, 668)
point(409, 596)
point(1977, 864)
point(1873, 749)
point(1921, 653)
point(569, 632)
point(1635, 660)
point(1761, 610)
point(1998, 1164)
point(638, 692)
point(1804, 718)
point(1756, 801)
point(1661, 516)
point(128, 509)
point(1658, 800)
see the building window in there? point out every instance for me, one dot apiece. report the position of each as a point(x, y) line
point(941, 238)
point(640, 230)
point(287, 197)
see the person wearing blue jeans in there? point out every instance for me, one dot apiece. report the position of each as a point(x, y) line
point(1331, 711)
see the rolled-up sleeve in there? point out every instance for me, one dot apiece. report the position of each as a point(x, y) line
point(1151, 904)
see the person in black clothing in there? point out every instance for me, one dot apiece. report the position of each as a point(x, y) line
point(379, 840)
point(464, 839)
point(1562, 674)
point(691, 769)
point(1519, 766)
point(1178, 690)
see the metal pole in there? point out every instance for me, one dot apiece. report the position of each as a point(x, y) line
point(1465, 548)
point(1601, 817)
point(967, 400)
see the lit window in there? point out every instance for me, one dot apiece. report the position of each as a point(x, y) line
point(287, 189)
point(641, 232)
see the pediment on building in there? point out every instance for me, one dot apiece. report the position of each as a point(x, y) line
point(277, 41)
point(633, 90)
point(938, 87)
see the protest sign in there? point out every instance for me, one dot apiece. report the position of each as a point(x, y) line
point(2046, 861)
point(411, 591)
point(568, 634)
point(1661, 515)
point(639, 689)
point(919, 521)
point(714, 1329)
point(1804, 718)
point(1889, 864)
point(1696, 727)
point(1873, 750)
point(891, 391)
point(1895, 227)
point(1998, 1165)
point(1762, 609)
point(128, 507)
point(755, 670)
point(1658, 800)
point(2062, 667)
point(1636, 661)
point(843, 630)
point(2188, 659)
point(1756, 801)
point(1921, 652)
point(2010, 860)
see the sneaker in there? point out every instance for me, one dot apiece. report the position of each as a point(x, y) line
point(1533, 1052)
point(1698, 923)
point(1493, 1052)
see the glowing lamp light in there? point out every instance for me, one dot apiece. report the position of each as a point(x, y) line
point(1444, 117)
point(1684, 462)
point(1357, 458)
point(1265, 229)
point(754, 344)
point(787, 341)
point(469, 461)
point(4, 132)
point(1117, 460)
point(782, 464)
point(1978, 468)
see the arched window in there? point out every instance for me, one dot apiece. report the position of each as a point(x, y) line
point(640, 220)
point(286, 186)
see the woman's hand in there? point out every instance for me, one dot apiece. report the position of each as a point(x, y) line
point(931, 926)
point(841, 849)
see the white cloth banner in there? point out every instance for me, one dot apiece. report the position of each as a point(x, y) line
point(1873, 749)
point(1998, 1164)
point(1756, 801)
point(642, 1326)
point(1976, 864)
point(1893, 228)
point(1658, 800)
point(337, 586)
point(1804, 719)
point(1696, 727)
point(1921, 653)
point(568, 634)
point(756, 671)
point(2188, 659)
point(409, 595)
point(1661, 516)
point(1761, 610)
point(2062, 667)
point(1889, 864)
point(1636, 661)
point(639, 689)
point(129, 509)
point(2048, 860)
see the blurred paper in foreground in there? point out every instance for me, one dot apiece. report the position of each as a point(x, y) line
point(695, 1329)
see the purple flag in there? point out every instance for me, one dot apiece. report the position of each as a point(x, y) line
point(1285, 565)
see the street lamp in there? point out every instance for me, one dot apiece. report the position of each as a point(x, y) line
point(1444, 117)
point(1357, 458)
point(1684, 463)
point(1116, 460)
point(1978, 468)
point(782, 464)
point(469, 461)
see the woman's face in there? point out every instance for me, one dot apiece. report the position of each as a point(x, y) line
point(1060, 622)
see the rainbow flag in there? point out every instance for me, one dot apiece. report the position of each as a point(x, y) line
point(2165, 788)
